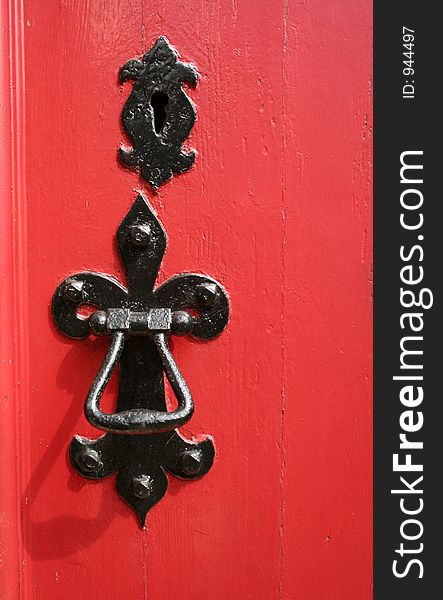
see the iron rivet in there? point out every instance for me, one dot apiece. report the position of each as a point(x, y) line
point(142, 486)
point(207, 294)
point(181, 322)
point(97, 322)
point(192, 462)
point(73, 290)
point(140, 235)
point(89, 461)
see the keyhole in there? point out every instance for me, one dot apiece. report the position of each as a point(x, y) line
point(159, 102)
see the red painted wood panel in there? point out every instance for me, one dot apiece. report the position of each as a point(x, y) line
point(9, 496)
point(327, 346)
point(277, 208)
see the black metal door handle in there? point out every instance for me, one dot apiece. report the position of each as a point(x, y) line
point(138, 420)
point(139, 320)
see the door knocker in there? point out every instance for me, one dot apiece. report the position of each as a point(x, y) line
point(141, 439)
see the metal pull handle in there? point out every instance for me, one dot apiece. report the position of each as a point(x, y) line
point(139, 320)
point(139, 420)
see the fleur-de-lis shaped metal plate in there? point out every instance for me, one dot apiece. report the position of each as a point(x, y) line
point(158, 116)
point(141, 442)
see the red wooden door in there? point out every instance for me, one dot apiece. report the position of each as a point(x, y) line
point(277, 208)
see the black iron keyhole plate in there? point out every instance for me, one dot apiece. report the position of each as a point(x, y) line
point(157, 150)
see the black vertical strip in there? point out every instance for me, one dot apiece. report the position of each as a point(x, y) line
point(407, 124)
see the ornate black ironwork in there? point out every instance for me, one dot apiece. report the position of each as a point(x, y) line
point(141, 440)
point(158, 116)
